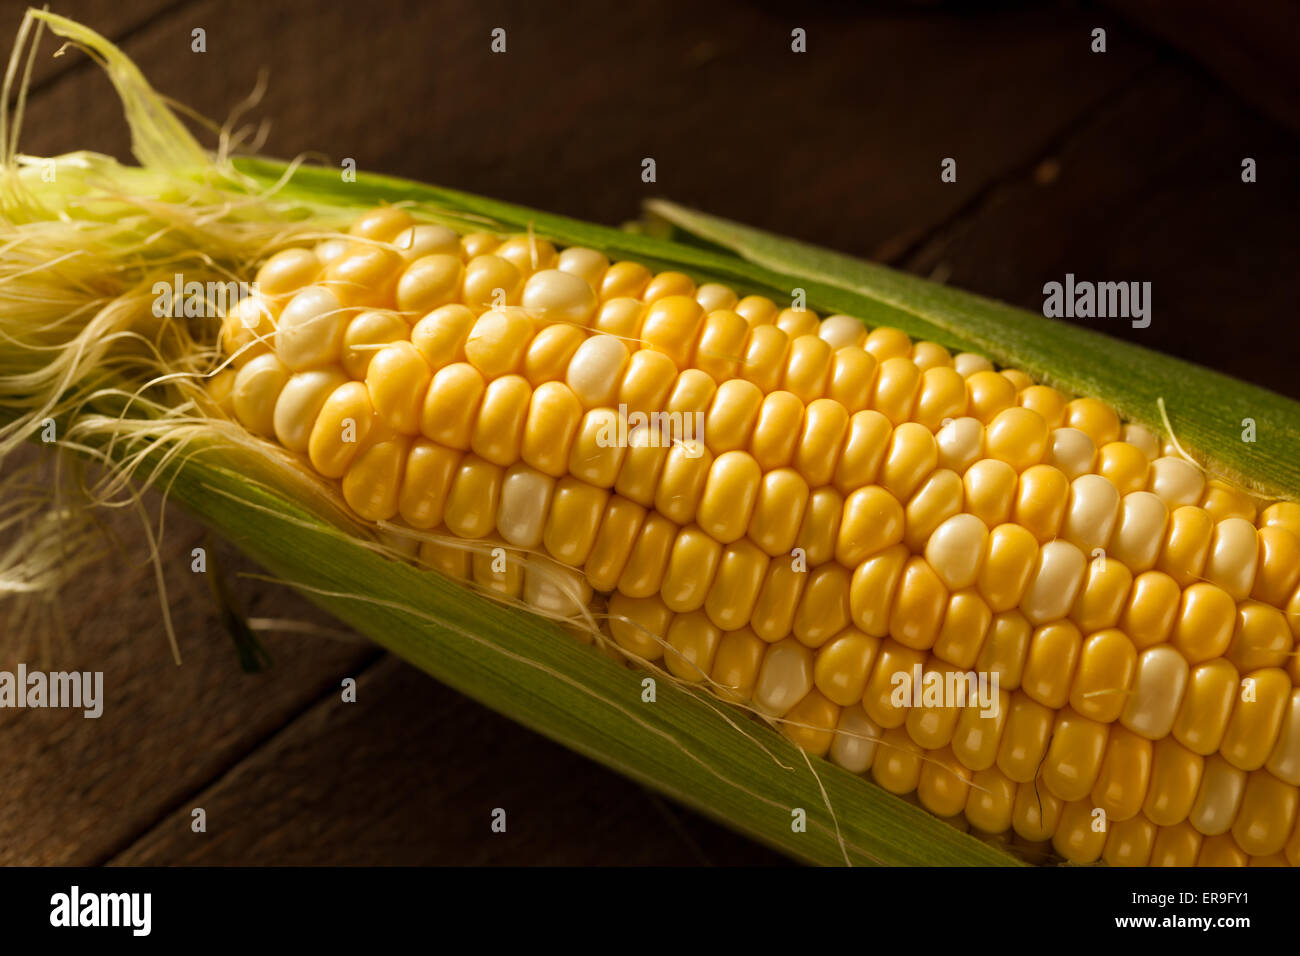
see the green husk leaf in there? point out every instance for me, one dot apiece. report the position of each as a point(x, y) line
point(685, 744)
point(1206, 409)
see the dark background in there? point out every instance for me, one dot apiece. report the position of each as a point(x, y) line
point(1117, 166)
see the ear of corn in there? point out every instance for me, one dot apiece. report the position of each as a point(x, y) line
point(920, 523)
point(857, 505)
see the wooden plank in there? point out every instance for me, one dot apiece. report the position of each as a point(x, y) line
point(1151, 190)
point(411, 774)
point(116, 20)
point(841, 144)
point(1252, 49)
point(73, 790)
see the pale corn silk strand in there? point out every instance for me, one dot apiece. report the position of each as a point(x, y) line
point(174, 358)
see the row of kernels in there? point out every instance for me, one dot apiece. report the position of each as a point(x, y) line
point(1073, 752)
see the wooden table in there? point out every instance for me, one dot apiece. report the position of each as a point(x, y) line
point(1123, 165)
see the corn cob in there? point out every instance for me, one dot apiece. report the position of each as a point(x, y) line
point(854, 506)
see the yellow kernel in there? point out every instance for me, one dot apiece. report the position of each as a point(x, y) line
point(286, 272)
point(1152, 608)
point(1025, 738)
point(913, 454)
point(638, 624)
point(735, 589)
point(1103, 596)
point(778, 511)
point(1211, 692)
point(1017, 436)
point(871, 592)
point(764, 360)
point(596, 455)
point(965, 625)
point(853, 376)
point(692, 644)
point(490, 282)
point(1074, 755)
point(1042, 495)
point(1266, 815)
point(398, 378)
point(554, 416)
point(341, 429)
point(778, 600)
point(942, 397)
point(807, 367)
point(1011, 555)
point(722, 345)
point(990, 490)
point(1047, 401)
point(1186, 545)
point(1261, 637)
point(730, 493)
point(864, 451)
point(1049, 668)
point(821, 437)
point(1256, 718)
point(811, 723)
point(989, 393)
point(1006, 648)
point(1219, 797)
point(672, 326)
point(1175, 777)
point(475, 496)
point(1094, 418)
point(381, 224)
point(898, 383)
point(644, 571)
point(1107, 663)
point(1205, 623)
point(1125, 775)
point(429, 282)
point(1124, 465)
point(797, 322)
point(499, 429)
point(885, 343)
point(1221, 501)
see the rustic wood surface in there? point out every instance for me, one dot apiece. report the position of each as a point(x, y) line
point(1119, 166)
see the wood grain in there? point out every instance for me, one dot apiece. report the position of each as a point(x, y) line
point(411, 774)
point(1151, 190)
